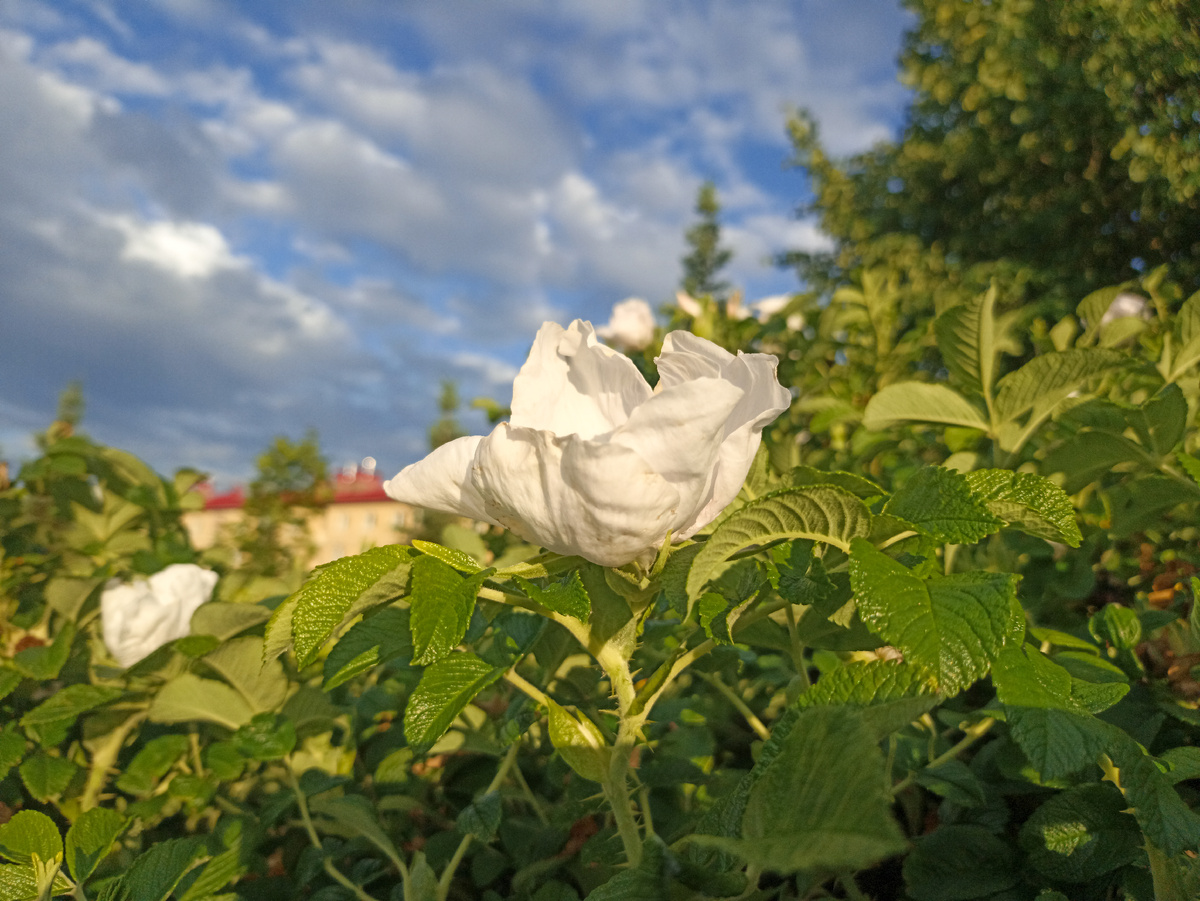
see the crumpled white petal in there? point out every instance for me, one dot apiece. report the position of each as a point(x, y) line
point(596, 464)
point(138, 618)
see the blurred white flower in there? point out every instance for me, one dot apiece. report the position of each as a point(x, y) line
point(1125, 304)
point(597, 464)
point(688, 304)
point(767, 307)
point(140, 617)
point(631, 326)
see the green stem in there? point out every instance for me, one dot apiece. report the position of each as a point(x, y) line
point(104, 759)
point(334, 873)
point(517, 681)
point(971, 735)
point(741, 706)
point(616, 792)
point(797, 649)
point(443, 888)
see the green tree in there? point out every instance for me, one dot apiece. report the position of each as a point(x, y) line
point(707, 257)
point(447, 427)
point(1053, 147)
point(291, 482)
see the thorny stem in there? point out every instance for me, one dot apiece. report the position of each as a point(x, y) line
point(334, 873)
point(616, 781)
point(443, 888)
point(971, 735)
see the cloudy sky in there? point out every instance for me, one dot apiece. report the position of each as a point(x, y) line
point(237, 220)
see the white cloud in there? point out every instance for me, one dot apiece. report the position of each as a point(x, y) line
point(185, 249)
point(104, 70)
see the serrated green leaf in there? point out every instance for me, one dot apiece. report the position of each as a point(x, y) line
point(51, 719)
point(841, 821)
point(46, 776)
point(648, 881)
point(151, 763)
point(268, 736)
point(1086, 456)
point(1057, 742)
point(896, 693)
point(674, 577)
point(803, 476)
point(1161, 422)
point(481, 818)
point(1081, 833)
point(18, 883)
point(450, 556)
point(90, 838)
point(951, 626)
point(441, 604)
point(239, 662)
point(219, 872)
point(1189, 463)
point(579, 742)
point(9, 680)
point(821, 512)
point(224, 621)
point(1047, 379)
point(445, 689)
point(966, 338)
point(921, 402)
point(954, 781)
point(568, 597)
point(355, 813)
point(380, 638)
point(336, 592)
point(154, 875)
point(30, 833)
point(1025, 677)
point(1187, 352)
point(941, 502)
point(12, 748)
point(188, 697)
point(1028, 502)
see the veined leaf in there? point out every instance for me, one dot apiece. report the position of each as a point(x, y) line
point(356, 814)
point(154, 875)
point(1086, 456)
point(802, 476)
point(921, 402)
point(90, 838)
point(51, 719)
point(1081, 833)
point(893, 694)
point(240, 662)
point(958, 862)
point(1047, 379)
point(569, 598)
point(966, 336)
point(336, 592)
point(445, 689)
point(579, 742)
point(450, 556)
point(820, 512)
point(29, 834)
point(151, 763)
point(1092, 309)
point(940, 501)
point(1025, 677)
point(1187, 355)
point(440, 605)
point(224, 621)
point(187, 697)
point(377, 639)
point(1028, 502)
point(952, 626)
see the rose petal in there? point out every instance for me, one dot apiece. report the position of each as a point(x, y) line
point(574, 385)
point(573, 496)
point(442, 481)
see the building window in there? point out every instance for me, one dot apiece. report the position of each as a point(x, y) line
point(368, 520)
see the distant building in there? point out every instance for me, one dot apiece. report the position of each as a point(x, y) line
point(358, 516)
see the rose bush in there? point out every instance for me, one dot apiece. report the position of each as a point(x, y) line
point(594, 462)
point(138, 618)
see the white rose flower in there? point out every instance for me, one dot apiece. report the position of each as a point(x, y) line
point(1125, 304)
point(631, 326)
point(596, 464)
point(688, 304)
point(141, 617)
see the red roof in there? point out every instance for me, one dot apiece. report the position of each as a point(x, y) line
point(348, 488)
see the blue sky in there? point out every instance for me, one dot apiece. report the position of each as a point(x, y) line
point(237, 220)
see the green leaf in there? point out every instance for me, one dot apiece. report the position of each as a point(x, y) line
point(224, 621)
point(1187, 353)
point(954, 863)
point(336, 592)
point(921, 402)
point(219, 872)
point(951, 626)
point(675, 574)
point(90, 838)
point(355, 813)
point(821, 512)
point(68, 595)
point(154, 875)
point(803, 476)
point(966, 338)
point(440, 606)
point(239, 662)
point(445, 689)
point(1081, 833)
point(1028, 502)
point(267, 736)
point(568, 597)
point(50, 720)
point(579, 742)
point(12, 748)
point(1025, 677)
point(1057, 742)
point(1047, 379)
point(29, 834)
point(481, 818)
point(378, 639)
point(895, 693)
point(648, 881)
point(1163, 816)
point(840, 821)
point(940, 501)
point(18, 883)
point(45, 662)
point(422, 880)
point(1090, 454)
point(1092, 309)
point(956, 782)
point(1189, 463)
point(45, 776)
point(1162, 421)
point(187, 697)
point(9, 680)
point(450, 556)
point(151, 763)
